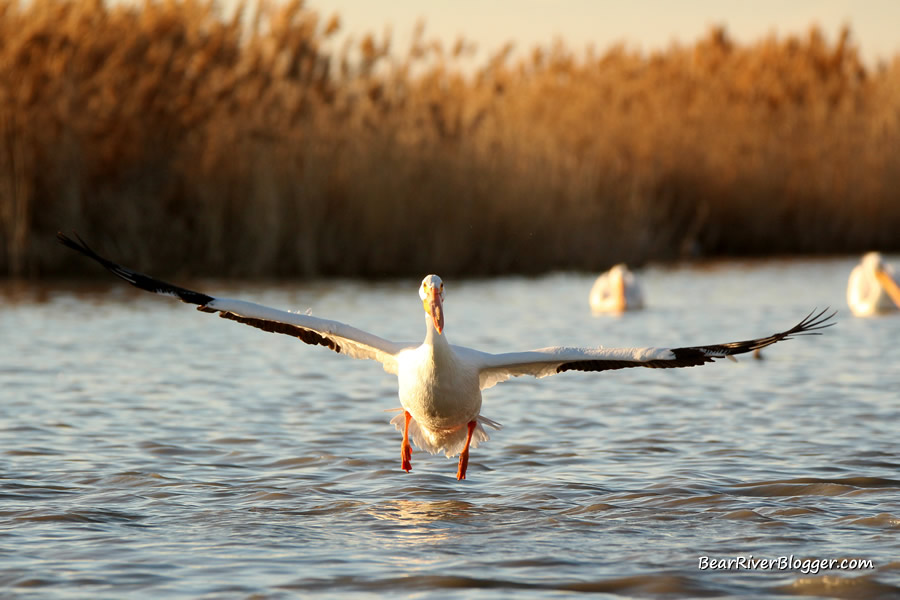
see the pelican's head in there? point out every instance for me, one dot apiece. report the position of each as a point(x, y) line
point(873, 262)
point(619, 270)
point(432, 294)
point(617, 275)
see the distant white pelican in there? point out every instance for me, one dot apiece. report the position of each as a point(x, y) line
point(616, 291)
point(440, 384)
point(873, 287)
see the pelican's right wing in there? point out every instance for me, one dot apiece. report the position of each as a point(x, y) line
point(340, 337)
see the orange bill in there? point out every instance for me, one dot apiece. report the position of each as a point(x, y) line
point(890, 286)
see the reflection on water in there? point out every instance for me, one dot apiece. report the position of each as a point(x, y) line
point(414, 512)
point(149, 450)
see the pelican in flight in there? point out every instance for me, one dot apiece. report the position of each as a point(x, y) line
point(440, 383)
point(873, 287)
point(616, 291)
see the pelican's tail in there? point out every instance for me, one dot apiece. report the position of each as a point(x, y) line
point(450, 442)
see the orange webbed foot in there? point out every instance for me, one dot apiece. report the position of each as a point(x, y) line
point(406, 457)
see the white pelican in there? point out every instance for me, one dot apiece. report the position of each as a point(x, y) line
point(616, 291)
point(872, 287)
point(440, 384)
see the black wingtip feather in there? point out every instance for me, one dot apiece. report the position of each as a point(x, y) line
point(810, 325)
point(138, 280)
point(78, 246)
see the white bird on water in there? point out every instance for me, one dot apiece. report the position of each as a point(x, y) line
point(872, 287)
point(616, 291)
point(440, 383)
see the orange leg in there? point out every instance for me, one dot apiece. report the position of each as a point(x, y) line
point(464, 455)
point(405, 448)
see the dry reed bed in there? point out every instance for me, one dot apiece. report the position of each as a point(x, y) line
point(187, 143)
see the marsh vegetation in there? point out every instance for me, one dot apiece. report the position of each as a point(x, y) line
point(253, 145)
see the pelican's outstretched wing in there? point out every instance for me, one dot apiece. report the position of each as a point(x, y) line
point(494, 368)
point(332, 334)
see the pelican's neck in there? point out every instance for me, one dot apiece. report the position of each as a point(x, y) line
point(434, 339)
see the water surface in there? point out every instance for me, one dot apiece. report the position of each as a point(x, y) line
point(149, 450)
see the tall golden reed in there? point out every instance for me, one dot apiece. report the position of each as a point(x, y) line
point(184, 142)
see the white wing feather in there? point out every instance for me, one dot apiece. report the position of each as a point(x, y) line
point(353, 342)
point(496, 368)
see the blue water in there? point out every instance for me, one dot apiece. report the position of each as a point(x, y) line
point(149, 450)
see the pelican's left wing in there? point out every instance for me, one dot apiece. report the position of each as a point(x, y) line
point(340, 337)
point(494, 368)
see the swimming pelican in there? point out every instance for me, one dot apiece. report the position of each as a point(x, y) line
point(616, 291)
point(440, 384)
point(872, 287)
